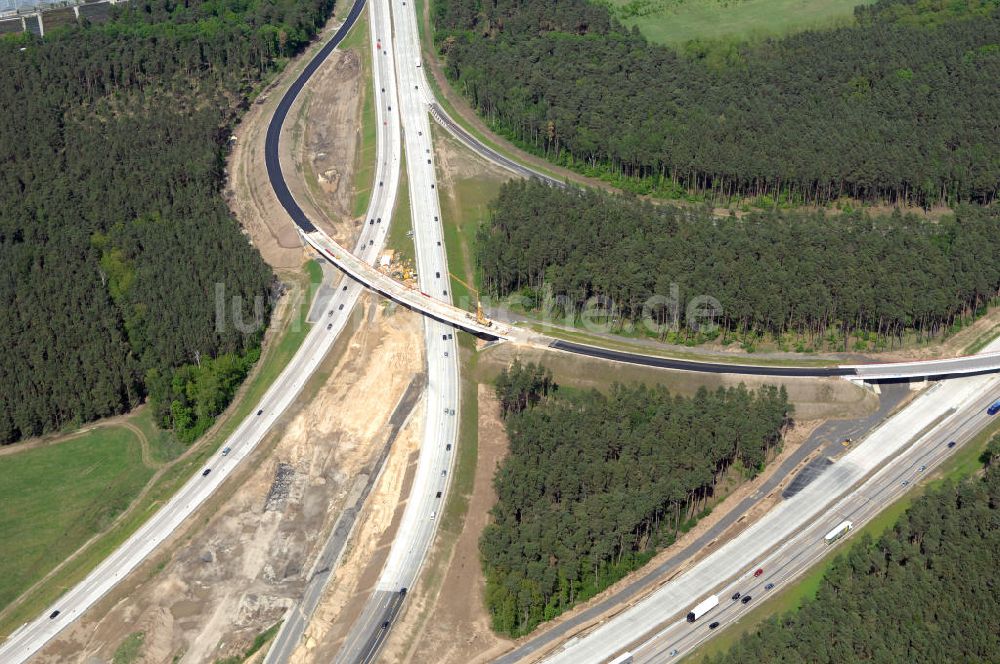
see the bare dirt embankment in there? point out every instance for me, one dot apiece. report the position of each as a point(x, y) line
point(354, 579)
point(232, 570)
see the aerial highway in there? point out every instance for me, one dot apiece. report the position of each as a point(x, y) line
point(439, 441)
point(374, 233)
point(788, 538)
point(31, 637)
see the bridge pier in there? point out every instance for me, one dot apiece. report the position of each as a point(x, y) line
point(871, 386)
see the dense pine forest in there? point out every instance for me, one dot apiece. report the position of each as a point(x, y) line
point(924, 592)
point(809, 274)
point(113, 232)
point(901, 107)
point(594, 484)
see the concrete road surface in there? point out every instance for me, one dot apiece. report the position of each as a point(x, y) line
point(856, 487)
point(440, 436)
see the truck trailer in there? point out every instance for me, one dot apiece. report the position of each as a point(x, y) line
point(703, 607)
point(838, 532)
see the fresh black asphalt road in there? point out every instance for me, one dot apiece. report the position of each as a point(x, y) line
point(281, 112)
point(705, 367)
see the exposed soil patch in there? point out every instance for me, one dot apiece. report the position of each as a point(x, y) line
point(446, 620)
point(231, 571)
point(319, 144)
point(366, 551)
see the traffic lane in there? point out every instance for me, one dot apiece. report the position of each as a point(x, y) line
point(826, 435)
point(808, 547)
point(453, 128)
point(776, 526)
point(692, 365)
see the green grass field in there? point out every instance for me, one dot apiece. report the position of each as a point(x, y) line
point(61, 501)
point(56, 497)
point(677, 21)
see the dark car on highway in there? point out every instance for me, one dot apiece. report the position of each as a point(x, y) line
point(205, 472)
point(714, 625)
point(53, 614)
point(746, 599)
point(736, 596)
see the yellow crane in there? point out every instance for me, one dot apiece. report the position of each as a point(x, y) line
point(480, 318)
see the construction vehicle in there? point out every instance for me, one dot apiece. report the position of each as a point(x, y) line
point(478, 317)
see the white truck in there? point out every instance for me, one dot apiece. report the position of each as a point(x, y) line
point(704, 606)
point(624, 658)
point(842, 528)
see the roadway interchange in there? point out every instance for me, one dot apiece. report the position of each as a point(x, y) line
point(31, 637)
point(437, 450)
point(417, 528)
point(789, 538)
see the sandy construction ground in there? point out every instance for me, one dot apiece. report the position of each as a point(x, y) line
point(243, 559)
point(355, 578)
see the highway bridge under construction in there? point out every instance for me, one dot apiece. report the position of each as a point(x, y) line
point(372, 278)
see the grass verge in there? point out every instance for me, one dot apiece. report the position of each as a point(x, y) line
point(464, 473)
point(290, 331)
point(359, 39)
point(400, 238)
point(982, 340)
point(960, 465)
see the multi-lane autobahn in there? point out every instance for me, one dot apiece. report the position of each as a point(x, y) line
point(440, 437)
point(805, 549)
point(789, 537)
